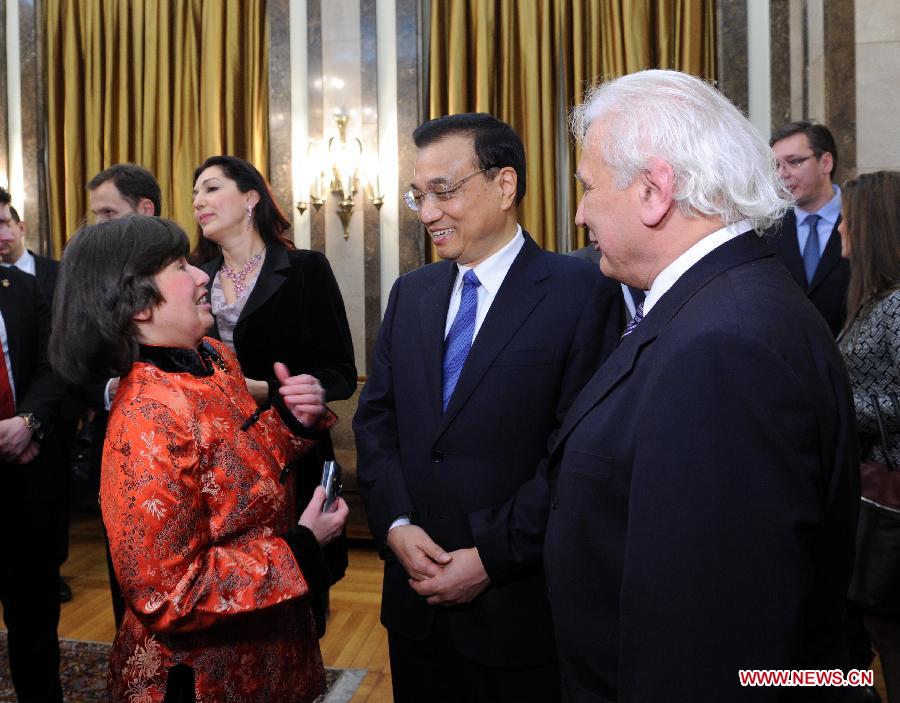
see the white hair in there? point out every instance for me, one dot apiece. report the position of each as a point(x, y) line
point(723, 167)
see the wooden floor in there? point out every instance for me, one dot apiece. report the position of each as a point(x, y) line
point(355, 638)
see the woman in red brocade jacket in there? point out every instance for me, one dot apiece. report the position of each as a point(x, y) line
point(216, 572)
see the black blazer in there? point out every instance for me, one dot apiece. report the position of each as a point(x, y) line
point(706, 490)
point(38, 390)
point(295, 314)
point(828, 289)
point(469, 476)
point(47, 272)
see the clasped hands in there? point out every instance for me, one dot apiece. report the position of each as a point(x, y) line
point(16, 442)
point(442, 578)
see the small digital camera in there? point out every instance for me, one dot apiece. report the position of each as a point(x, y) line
point(331, 482)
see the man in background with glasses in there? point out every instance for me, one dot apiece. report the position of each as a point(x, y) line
point(806, 240)
point(477, 360)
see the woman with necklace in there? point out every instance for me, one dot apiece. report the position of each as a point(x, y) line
point(272, 303)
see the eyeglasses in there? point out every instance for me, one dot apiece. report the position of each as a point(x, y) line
point(440, 193)
point(793, 163)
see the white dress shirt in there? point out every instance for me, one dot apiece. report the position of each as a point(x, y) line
point(671, 273)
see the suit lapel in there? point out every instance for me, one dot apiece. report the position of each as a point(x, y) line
point(739, 250)
point(831, 257)
point(271, 277)
point(519, 293)
point(433, 318)
point(10, 308)
point(789, 249)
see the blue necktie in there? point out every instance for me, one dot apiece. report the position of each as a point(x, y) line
point(459, 340)
point(811, 249)
point(635, 321)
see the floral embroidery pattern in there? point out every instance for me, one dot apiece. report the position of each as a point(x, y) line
point(194, 511)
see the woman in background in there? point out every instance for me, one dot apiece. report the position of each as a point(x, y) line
point(870, 342)
point(216, 572)
point(272, 302)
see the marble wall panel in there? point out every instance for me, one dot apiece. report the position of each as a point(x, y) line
point(4, 124)
point(280, 175)
point(780, 62)
point(731, 59)
point(797, 67)
point(410, 113)
point(342, 94)
point(878, 104)
point(840, 83)
point(877, 21)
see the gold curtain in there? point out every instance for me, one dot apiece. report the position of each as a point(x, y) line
point(161, 83)
point(528, 62)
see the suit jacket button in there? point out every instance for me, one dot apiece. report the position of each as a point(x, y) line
point(437, 457)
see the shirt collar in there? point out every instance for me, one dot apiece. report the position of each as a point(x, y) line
point(493, 269)
point(828, 212)
point(24, 263)
point(671, 273)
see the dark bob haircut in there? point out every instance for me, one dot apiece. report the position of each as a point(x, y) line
point(495, 143)
point(270, 221)
point(106, 277)
point(133, 182)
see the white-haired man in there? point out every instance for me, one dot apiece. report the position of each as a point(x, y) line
point(704, 481)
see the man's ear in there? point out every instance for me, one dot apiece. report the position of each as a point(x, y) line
point(144, 315)
point(827, 161)
point(509, 181)
point(145, 207)
point(657, 191)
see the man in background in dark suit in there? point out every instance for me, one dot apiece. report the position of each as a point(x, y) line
point(806, 239)
point(13, 252)
point(124, 189)
point(705, 480)
point(29, 491)
point(477, 360)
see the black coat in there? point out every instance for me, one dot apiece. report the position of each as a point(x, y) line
point(828, 289)
point(295, 314)
point(470, 476)
point(38, 390)
point(706, 490)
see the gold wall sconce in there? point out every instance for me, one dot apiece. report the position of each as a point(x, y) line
point(341, 167)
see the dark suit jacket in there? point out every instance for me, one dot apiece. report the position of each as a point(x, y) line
point(706, 495)
point(26, 316)
point(47, 272)
point(295, 314)
point(468, 476)
point(828, 289)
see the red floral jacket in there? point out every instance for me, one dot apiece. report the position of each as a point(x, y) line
point(195, 506)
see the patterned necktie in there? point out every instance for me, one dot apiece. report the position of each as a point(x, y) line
point(811, 249)
point(635, 321)
point(7, 402)
point(459, 340)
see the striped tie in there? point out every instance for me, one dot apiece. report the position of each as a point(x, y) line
point(635, 321)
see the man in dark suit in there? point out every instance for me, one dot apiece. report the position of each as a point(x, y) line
point(705, 481)
point(13, 252)
point(806, 239)
point(29, 399)
point(450, 431)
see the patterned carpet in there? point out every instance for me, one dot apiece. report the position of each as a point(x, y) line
point(83, 673)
